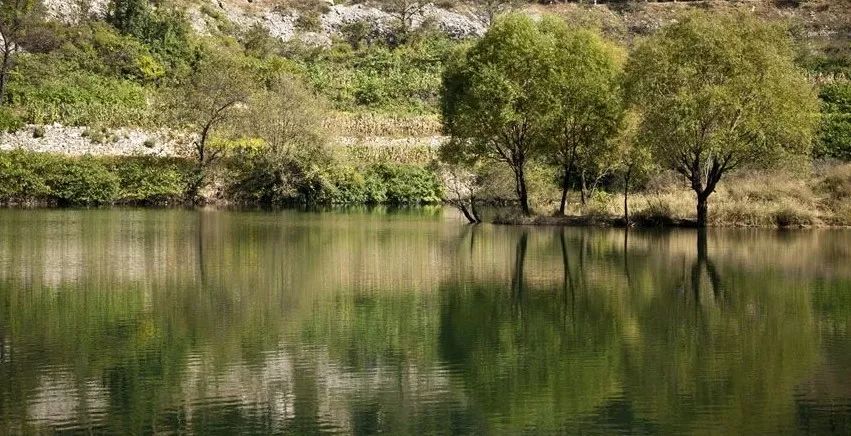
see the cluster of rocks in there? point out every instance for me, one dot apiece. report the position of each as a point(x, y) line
point(69, 11)
point(78, 141)
point(281, 22)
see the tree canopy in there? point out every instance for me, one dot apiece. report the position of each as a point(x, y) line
point(494, 96)
point(718, 93)
point(584, 81)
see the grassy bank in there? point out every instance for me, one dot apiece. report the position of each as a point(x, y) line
point(780, 198)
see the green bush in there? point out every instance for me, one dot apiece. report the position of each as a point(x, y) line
point(835, 132)
point(41, 178)
point(404, 79)
point(22, 177)
point(356, 33)
point(83, 182)
point(408, 184)
point(348, 186)
point(835, 137)
point(165, 31)
point(274, 180)
point(308, 22)
point(36, 178)
point(9, 122)
point(150, 180)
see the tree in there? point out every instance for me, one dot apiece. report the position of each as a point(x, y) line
point(15, 18)
point(717, 93)
point(404, 12)
point(210, 104)
point(635, 160)
point(461, 186)
point(585, 80)
point(490, 9)
point(463, 180)
point(128, 16)
point(493, 97)
point(280, 154)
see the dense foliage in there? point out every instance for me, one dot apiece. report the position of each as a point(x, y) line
point(495, 97)
point(36, 178)
point(835, 132)
point(717, 93)
point(44, 179)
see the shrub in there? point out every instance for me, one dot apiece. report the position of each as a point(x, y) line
point(96, 136)
point(82, 182)
point(28, 177)
point(9, 122)
point(356, 33)
point(165, 31)
point(408, 184)
point(150, 180)
point(21, 177)
point(788, 216)
point(349, 187)
point(38, 132)
point(657, 212)
point(836, 185)
point(405, 79)
point(308, 22)
point(835, 132)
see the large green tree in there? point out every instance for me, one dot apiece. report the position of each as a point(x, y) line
point(717, 93)
point(493, 97)
point(585, 83)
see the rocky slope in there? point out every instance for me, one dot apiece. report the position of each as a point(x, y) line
point(821, 25)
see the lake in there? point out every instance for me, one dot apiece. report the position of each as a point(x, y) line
point(412, 322)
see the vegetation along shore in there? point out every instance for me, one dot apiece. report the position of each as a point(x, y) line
point(727, 113)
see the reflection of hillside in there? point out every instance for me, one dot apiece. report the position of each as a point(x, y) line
point(323, 252)
point(177, 321)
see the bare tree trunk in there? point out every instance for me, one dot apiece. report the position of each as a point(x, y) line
point(702, 208)
point(564, 188)
point(473, 209)
point(4, 70)
point(522, 193)
point(470, 218)
point(583, 189)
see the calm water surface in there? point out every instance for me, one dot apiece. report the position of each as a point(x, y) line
point(142, 321)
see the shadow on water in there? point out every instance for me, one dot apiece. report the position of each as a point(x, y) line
point(304, 323)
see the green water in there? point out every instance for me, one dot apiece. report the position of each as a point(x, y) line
point(141, 321)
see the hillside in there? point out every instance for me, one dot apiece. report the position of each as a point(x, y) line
point(316, 39)
point(363, 78)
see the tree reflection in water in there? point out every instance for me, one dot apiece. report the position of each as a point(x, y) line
point(144, 321)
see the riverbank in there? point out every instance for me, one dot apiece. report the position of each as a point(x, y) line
point(809, 197)
point(819, 197)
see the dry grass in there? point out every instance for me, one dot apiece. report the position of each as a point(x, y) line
point(781, 198)
point(371, 124)
point(834, 186)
